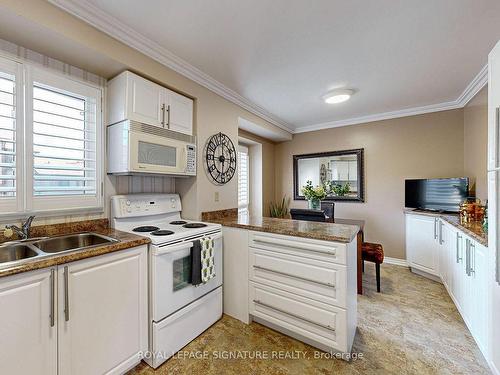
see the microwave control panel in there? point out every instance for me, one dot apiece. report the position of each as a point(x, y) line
point(191, 160)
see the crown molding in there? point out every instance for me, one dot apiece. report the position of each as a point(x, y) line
point(479, 81)
point(121, 32)
point(116, 29)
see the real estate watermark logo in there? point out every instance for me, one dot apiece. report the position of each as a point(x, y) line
point(262, 355)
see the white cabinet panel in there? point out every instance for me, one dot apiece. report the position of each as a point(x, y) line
point(422, 248)
point(179, 113)
point(131, 97)
point(103, 319)
point(28, 340)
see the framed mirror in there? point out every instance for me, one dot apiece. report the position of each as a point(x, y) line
point(341, 173)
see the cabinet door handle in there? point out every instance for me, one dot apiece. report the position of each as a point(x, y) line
point(168, 116)
point(66, 294)
point(256, 301)
point(435, 229)
point(467, 256)
point(472, 255)
point(496, 148)
point(459, 257)
point(440, 232)
point(163, 115)
point(52, 297)
point(293, 276)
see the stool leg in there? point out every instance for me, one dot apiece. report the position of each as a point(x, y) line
point(363, 263)
point(377, 269)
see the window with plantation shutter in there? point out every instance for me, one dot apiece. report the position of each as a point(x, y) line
point(64, 142)
point(51, 153)
point(7, 135)
point(243, 179)
point(11, 123)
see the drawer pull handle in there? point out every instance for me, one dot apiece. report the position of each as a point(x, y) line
point(310, 247)
point(295, 277)
point(256, 301)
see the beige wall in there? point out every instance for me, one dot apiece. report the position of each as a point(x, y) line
point(268, 168)
point(429, 145)
point(476, 141)
point(212, 112)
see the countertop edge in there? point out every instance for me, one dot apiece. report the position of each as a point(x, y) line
point(55, 260)
point(309, 235)
point(446, 217)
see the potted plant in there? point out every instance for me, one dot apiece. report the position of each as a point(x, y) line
point(341, 190)
point(279, 209)
point(314, 195)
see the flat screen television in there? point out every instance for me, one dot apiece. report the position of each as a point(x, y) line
point(439, 194)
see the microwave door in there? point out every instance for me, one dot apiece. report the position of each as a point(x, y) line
point(153, 154)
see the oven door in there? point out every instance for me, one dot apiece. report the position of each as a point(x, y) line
point(170, 274)
point(156, 154)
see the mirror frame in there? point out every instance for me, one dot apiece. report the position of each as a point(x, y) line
point(361, 169)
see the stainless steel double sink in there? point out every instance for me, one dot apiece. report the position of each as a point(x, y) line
point(12, 253)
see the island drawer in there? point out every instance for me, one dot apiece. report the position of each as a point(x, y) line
point(321, 323)
point(311, 278)
point(325, 251)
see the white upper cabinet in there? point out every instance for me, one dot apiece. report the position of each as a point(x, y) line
point(131, 97)
point(179, 113)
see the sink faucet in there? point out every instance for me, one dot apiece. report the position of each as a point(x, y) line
point(23, 232)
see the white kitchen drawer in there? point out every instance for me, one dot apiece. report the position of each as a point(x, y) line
point(311, 278)
point(325, 251)
point(314, 320)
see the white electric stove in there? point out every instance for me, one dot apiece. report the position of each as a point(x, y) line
point(178, 310)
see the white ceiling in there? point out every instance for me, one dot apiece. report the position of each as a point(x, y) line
point(283, 55)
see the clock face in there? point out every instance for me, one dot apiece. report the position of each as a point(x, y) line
point(221, 158)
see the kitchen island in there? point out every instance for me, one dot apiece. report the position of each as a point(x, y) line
point(297, 277)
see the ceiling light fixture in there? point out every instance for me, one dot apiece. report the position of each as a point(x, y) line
point(338, 96)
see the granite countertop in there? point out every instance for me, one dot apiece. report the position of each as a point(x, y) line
point(473, 229)
point(125, 241)
point(298, 228)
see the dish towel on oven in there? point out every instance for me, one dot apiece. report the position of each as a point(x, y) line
point(207, 259)
point(196, 263)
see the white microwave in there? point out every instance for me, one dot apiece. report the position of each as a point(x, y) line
point(136, 148)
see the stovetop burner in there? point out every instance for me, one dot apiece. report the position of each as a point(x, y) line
point(145, 228)
point(162, 232)
point(194, 225)
point(178, 222)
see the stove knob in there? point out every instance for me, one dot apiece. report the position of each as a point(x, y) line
point(129, 209)
point(128, 203)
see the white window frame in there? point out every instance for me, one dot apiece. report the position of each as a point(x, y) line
point(25, 202)
point(244, 208)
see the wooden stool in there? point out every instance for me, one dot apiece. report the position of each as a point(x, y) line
point(373, 252)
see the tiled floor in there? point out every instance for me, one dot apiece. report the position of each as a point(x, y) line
point(412, 327)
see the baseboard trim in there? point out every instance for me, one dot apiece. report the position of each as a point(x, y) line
point(396, 261)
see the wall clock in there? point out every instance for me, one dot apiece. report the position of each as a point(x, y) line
point(220, 157)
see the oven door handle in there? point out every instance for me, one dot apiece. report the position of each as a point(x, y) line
point(172, 249)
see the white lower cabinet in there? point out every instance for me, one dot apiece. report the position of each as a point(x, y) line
point(462, 266)
point(304, 288)
point(103, 313)
point(99, 310)
point(422, 243)
point(28, 339)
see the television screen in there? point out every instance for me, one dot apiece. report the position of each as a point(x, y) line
point(440, 194)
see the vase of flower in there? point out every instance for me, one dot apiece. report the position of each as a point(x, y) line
point(314, 204)
point(314, 195)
